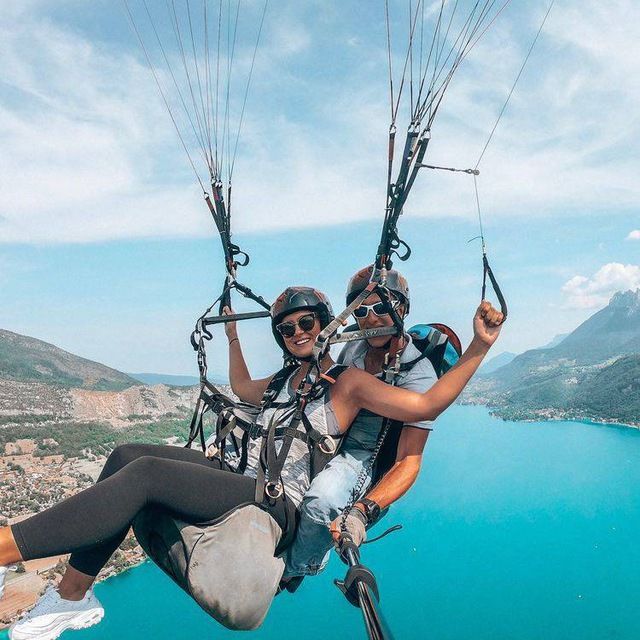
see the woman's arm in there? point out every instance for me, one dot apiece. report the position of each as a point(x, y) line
point(242, 385)
point(357, 389)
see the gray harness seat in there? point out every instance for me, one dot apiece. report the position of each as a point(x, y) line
point(228, 566)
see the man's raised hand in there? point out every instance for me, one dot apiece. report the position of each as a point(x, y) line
point(487, 323)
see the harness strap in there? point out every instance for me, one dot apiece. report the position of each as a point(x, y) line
point(231, 416)
point(486, 271)
point(321, 446)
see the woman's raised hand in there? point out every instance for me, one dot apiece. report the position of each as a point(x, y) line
point(230, 327)
point(487, 323)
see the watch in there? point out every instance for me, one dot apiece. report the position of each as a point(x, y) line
point(371, 509)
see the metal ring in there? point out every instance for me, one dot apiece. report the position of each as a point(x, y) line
point(328, 445)
point(273, 490)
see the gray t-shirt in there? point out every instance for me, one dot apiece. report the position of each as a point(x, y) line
point(296, 473)
point(364, 430)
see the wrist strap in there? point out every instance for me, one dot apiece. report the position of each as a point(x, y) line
point(357, 513)
point(233, 340)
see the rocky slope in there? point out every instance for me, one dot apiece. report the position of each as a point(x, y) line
point(41, 383)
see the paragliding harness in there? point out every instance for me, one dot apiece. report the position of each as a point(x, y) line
point(441, 346)
point(232, 566)
point(237, 424)
point(210, 560)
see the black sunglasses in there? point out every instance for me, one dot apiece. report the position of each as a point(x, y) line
point(288, 329)
point(379, 308)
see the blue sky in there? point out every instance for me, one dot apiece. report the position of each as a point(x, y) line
point(107, 250)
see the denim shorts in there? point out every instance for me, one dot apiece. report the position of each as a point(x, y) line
point(324, 501)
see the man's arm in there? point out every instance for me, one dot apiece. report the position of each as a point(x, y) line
point(395, 483)
point(399, 479)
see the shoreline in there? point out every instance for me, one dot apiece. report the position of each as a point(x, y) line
point(35, 583)
point(496, 410)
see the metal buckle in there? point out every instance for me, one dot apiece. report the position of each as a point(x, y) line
point(328, 445)
point(212, 451)
point(255, 431)
point(273, 490)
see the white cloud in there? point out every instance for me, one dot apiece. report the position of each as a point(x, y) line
point(589, 293)
point(89, 153)
point(634, 235)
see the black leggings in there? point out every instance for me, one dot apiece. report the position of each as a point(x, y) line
point(92, 524)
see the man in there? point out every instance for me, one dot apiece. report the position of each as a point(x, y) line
point(331, 490)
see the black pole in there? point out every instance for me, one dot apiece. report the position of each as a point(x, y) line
point(360, 588)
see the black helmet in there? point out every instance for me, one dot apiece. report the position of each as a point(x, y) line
point(297, 299)
point(396, 283)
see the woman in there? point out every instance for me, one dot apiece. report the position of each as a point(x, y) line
point(92, 524)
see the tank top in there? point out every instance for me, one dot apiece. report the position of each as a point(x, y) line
point(296, 473)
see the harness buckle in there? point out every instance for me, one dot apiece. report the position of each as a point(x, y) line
point(255, 431)
point(328, 445)
point(212, 451)
point(273, 490)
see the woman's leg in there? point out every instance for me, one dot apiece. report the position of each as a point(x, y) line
point(81, 570)
point(193, 490)
point(86, 562)
point(190, 491)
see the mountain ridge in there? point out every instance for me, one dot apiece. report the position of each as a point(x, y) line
point(566, 380)
point(42, 384)
point(27, 359)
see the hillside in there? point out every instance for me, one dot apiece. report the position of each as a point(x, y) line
point(25, 359)
point(42, 385)
point(593, 372)
point(493, 364)
point(165, 378)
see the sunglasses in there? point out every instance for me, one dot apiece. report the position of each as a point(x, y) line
point(288, 329)
point(379, 309)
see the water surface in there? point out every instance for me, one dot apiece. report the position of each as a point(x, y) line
point(520, 531)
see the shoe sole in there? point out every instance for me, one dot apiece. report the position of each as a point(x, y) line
point(88, 619)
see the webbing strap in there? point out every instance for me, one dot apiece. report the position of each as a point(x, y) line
point(494, 283)
point(196, 422)
point(322, 341)
point(276, 460)
point(272, 460)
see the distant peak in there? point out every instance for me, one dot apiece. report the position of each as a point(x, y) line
point(626, 300)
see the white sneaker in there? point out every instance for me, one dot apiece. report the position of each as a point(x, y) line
point(3, 575)
point(52, 615)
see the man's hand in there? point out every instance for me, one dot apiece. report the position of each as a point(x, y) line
point(354, 526)
point(487, 323)
point(230, 327)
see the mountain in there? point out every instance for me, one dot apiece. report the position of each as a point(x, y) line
point(613, 331)
point(25, 359)
point(610, 333)
point(501, 360)
point(555, 341)
point(43, 386)
point(594, 371)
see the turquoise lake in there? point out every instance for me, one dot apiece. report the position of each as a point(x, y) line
point(520, 531)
